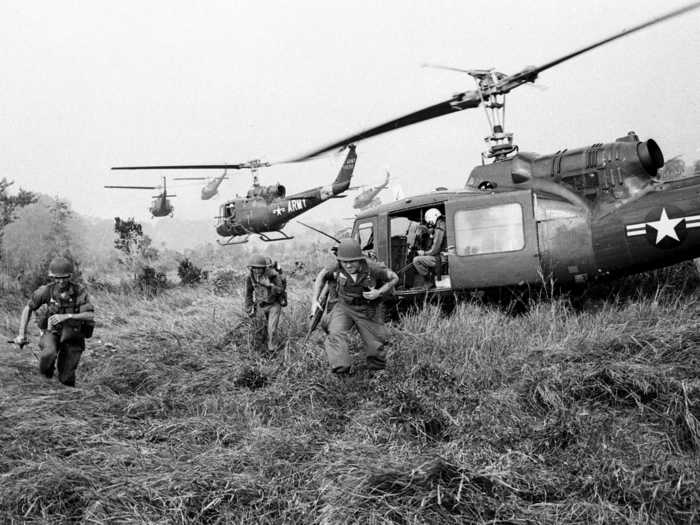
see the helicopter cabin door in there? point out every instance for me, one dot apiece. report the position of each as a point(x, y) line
point(492, 240)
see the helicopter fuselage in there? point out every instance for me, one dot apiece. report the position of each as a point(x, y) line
point(161, 207)
point(257, 214)
point(269, 209)
point(516, 223)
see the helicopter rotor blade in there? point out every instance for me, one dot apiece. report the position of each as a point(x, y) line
point(460, 101)
point(449, 68)
point(135, 187)
point(241, 166)
point(529, 74)
point(472, 99)
point(190, 178)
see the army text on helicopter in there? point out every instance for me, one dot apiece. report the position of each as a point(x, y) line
point(576, 215)
point(161, 206)
point(267, 209)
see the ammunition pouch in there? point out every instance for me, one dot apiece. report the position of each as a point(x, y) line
point(75, 331)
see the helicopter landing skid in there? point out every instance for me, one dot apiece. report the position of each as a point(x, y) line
point(284, 237)
point(231, 242)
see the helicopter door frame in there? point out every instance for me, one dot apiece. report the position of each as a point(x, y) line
point(368, 242)
point(499, 253)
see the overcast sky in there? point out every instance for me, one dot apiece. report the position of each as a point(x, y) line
point(86, 85)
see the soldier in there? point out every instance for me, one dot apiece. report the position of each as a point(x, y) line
point(66, 323)
point(264, 293)
point(428, 259)
point(360, 285)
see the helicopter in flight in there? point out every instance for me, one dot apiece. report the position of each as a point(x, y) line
point(577, 215)
point(211, 187)
point(368, 197)
point(267, 209)
point(161, 206)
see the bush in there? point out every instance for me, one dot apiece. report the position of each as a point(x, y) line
point(191, 274)
point(151, 282)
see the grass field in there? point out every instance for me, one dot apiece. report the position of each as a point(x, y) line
point(553, 416)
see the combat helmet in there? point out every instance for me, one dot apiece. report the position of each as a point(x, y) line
point(349, 250)
point(60, 267)
point(257, 261)
point(432, 215)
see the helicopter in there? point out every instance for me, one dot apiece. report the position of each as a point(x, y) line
point(161, 206)
point(367, 198)
point(576, 215)
point(267, 209)
point(211, 188)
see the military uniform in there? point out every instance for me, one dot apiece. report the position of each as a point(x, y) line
point(264, 297)
point(62, 345)
point(430, 259)
point(352, 309)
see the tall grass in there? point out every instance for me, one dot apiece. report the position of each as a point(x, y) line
point(557, 415)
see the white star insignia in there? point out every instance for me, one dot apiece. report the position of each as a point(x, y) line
point(665, 227)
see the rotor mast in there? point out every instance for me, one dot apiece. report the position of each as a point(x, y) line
point(500, 143)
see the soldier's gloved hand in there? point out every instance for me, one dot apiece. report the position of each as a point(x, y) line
point(372, 294)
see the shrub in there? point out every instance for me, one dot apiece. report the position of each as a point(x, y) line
point(150, 281)
point(191, 274)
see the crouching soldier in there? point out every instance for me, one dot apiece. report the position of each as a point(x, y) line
point(360, 285)
point(264, 293)
point(67, 321)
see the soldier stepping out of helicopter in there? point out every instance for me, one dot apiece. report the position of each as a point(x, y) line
point(265, 295)
point(68, 320)
point(427, 260)
point(360, 285)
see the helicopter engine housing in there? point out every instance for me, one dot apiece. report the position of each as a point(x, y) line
point(615, 170)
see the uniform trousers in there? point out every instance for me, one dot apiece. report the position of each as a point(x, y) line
point(371, 328)
point(266, 320)
point(63, 356)
point(423, 263)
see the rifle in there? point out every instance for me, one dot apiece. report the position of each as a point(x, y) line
point(318, 312)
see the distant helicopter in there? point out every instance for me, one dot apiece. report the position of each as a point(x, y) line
point(211, 188)
point(267, 209)
point(576, 215)
point(367, 198)
point(161, 206)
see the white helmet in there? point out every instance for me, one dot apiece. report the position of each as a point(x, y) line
point(432, 215)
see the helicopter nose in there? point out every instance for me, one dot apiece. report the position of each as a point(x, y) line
point(650, 156)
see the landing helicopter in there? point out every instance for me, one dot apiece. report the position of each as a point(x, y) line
point(577, 215)
point(211, 188)
point(267, 209)
point(161, 206)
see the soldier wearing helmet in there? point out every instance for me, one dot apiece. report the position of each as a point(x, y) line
point(359, 287)
point(428, 259)
point(66, 322)
point(265, 293)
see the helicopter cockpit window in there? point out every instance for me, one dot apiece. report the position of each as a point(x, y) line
point(365, 234)
point(489, 230)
